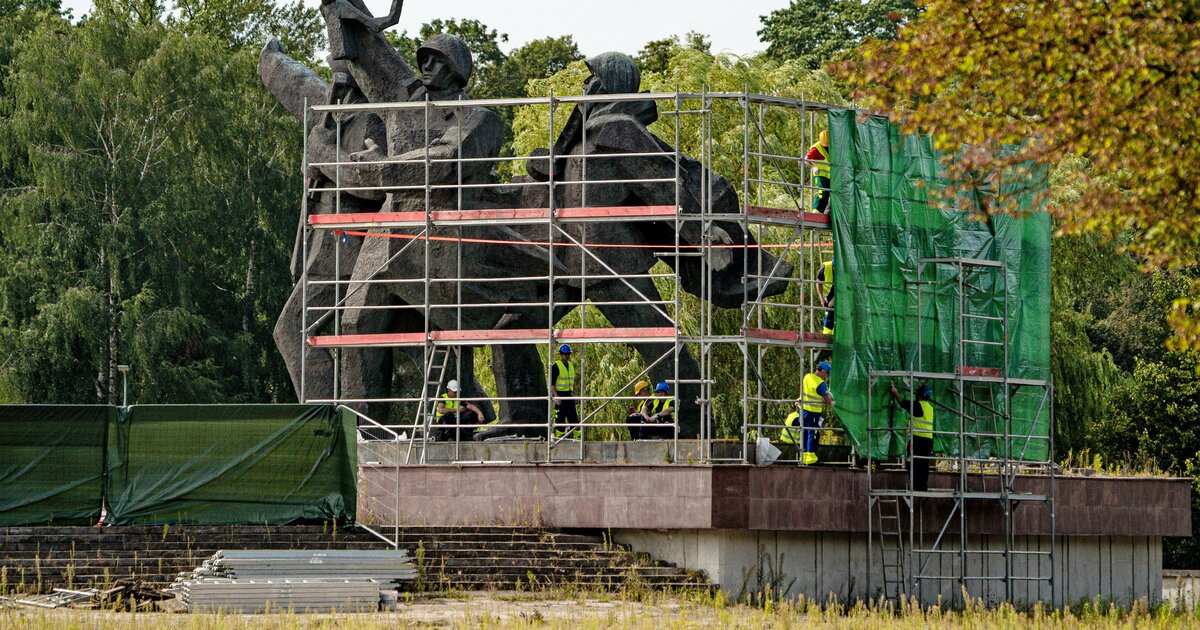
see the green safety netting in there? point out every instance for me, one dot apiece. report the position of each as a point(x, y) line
point(231, 464)
point(51, 464)
point(883, 222)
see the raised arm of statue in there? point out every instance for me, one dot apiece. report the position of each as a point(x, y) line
point(354, 35)
point(291, 82)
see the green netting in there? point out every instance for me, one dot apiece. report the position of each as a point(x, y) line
point(883, 222)
point(219, 464)
point(51, 464)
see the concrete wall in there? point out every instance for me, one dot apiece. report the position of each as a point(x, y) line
point(824, 564)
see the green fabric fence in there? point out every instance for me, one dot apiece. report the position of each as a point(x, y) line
point(52, 463)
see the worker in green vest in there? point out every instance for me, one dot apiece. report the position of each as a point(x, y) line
point(825, 276)
point(563, 390)
point(449, 413)
point(818, 156)
point(921, 413)
point(813, 403)
point(639, 413)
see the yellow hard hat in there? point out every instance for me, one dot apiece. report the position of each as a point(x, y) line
point(823, 138)
point(640, 386)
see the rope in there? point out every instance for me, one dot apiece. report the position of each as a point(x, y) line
point(489, 241)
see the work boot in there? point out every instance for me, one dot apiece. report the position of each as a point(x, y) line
point(809, 459)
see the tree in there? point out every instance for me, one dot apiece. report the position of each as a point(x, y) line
point(656, 55)
point(817, 31)
point(251, 22)
point(1111, 83)
point(539, 59)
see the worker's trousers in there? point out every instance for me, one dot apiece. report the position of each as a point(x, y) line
point(809, 441)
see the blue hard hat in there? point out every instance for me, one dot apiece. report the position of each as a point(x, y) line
point(824, 365)
point(925, 391)
point(565, 349)
point(662, 387)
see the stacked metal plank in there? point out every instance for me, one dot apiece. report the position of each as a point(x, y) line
point(250, 581)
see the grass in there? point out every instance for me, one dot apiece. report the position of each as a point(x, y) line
point(580, 610)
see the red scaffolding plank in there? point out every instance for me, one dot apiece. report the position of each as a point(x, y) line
point(486, 336)
point(791, 336)
point(966, 370)
point(789, 215)
point(415, 219)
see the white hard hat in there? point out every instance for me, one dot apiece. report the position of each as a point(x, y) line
point(452, 386)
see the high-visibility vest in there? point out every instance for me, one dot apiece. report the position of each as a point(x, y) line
point(642, 406)
point(923, 425)
point(789, 435)
point(450, 403)
point(812, 401)
point(827, 268)
point(820, 168)
point(566, 377)
point(660, 403)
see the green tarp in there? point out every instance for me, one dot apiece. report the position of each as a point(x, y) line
point(883, 223)
point(231, 464)
point(51, 463)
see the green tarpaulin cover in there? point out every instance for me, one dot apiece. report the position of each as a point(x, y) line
point(51, 464)
point(883, 223)
point(231, 464)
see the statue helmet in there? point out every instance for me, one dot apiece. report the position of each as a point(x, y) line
point(617, 71)
point(454, 49)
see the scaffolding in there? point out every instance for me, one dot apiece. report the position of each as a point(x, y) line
point(771, 175)
point(735, 371)
point(929, 544)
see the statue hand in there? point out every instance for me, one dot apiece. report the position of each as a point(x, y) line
point(372, 153)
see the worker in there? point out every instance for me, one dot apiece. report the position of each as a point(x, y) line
point(639, 413)
point(563, 390)
point(789, 434)
point(661, 411)
point(815, 399)
point(825, 276)
point(450, 414)
point(921, 448)
point(818, 155)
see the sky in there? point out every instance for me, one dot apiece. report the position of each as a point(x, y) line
point(622, 25)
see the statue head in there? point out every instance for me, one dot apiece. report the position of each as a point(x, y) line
point(445, 63)
point(612, 73)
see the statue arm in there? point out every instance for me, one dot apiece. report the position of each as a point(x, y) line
point(378, 68)
point(291, 82)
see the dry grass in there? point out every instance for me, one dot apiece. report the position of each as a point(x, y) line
point(609, 612)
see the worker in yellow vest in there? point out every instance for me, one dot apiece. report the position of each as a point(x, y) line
point(639, 413)
point(660, 412)
point(815, 399)
point(449, 413)
point(921, 413)
point(825, 276)
point(818, 156)
point(563, 390)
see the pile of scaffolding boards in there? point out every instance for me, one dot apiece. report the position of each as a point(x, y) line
point(256, 581)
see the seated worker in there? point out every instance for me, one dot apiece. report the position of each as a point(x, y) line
point(660, 411)
point(448, 413)
point(639, 413)
point(921, 448)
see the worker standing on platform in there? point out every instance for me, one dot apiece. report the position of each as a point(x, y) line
point(661, 412)
point(825, 276)
point(448, 413)
point(639, 413)
point(921, 412)
point(562, 377)
point(818, 155)
point(815, 400)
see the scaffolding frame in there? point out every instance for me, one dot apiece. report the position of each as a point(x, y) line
point(956, 563)
point(774, 207)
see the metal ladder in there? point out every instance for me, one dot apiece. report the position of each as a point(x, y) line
point(891, 548)
point(432, 388)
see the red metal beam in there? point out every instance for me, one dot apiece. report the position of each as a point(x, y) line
point(468, 336)
point(368, 219)
point(966, 370)
point(793, 336)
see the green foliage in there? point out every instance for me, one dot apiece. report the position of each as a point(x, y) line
point(817, 31)
point(656, 55)
point(151, 213)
